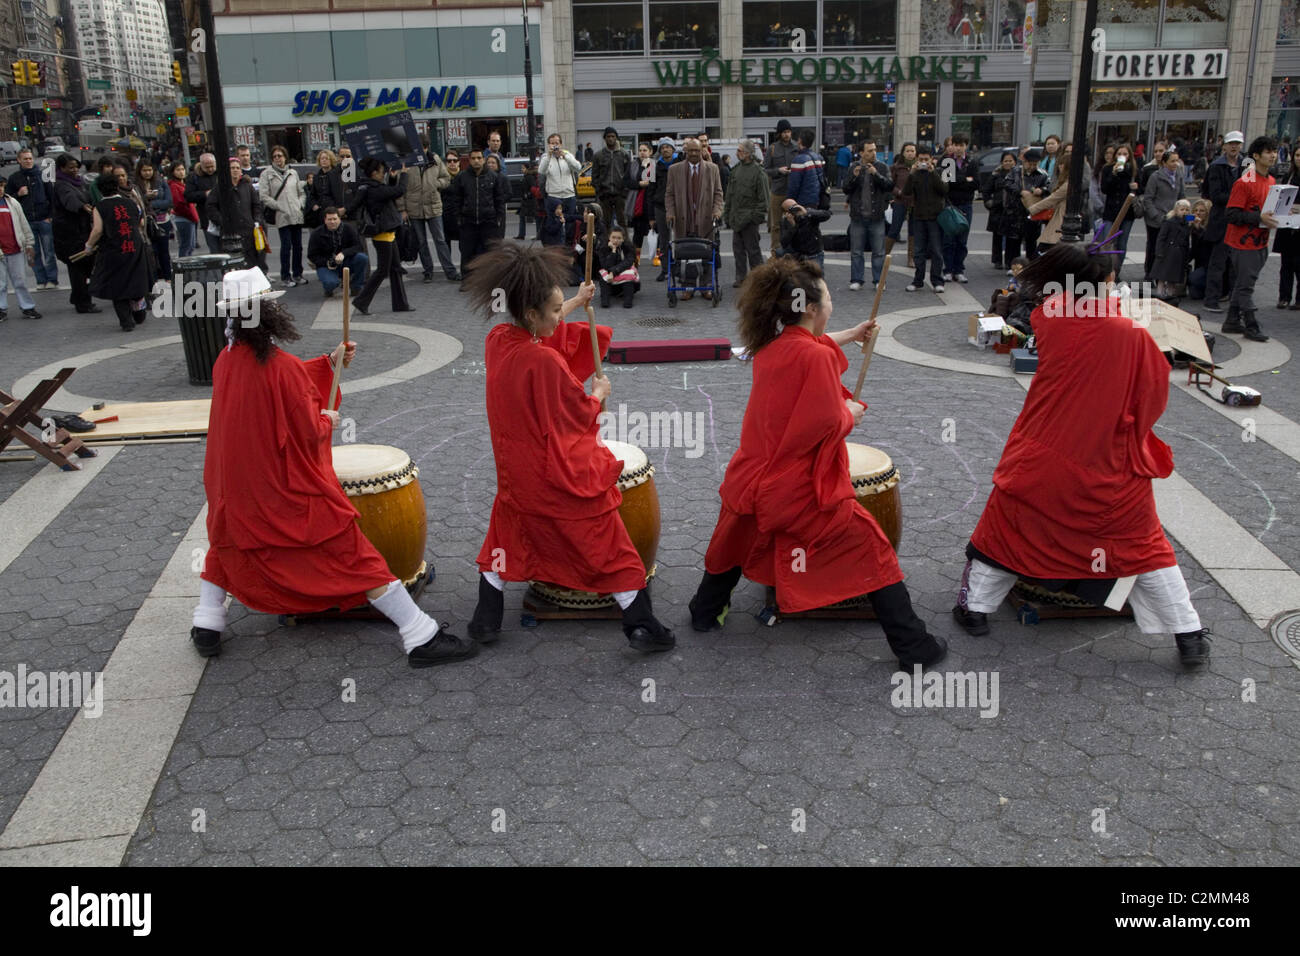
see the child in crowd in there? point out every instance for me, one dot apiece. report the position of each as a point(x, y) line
point(1173, 246)
point(618, 272)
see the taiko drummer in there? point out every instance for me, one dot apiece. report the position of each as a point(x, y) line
point(283, 537)
point(789, 517)
point(555, 517)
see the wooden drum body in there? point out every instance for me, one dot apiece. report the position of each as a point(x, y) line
point(381, 482)
point(875, 482)
point(640, 514)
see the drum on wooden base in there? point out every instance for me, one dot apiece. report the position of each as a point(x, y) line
point(381, 482)
point(640, 514)
point(875, 482)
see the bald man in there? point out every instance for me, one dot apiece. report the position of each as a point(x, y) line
point(201, 181)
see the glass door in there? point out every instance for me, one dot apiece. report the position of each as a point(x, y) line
point(1117, 130)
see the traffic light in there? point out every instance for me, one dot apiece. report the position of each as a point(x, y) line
point(176, 72)
point(34, 77)
point(20, 72)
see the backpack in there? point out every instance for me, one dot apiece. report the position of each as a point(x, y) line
point(365, 221)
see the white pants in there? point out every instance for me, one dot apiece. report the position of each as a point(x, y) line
point(1159, 599)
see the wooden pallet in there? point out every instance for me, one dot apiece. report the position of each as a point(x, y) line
point(138, 420)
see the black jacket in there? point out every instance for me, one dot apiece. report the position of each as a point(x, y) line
point(961, 192)
point(869, 192)
point(37, 205)
point(248, 208)
point(1115, 186)
point(324, 244)
point(804, 238)
point(479, 200)
point(380, 203)
point(1173, 246)
point(327, 190)
point(659, 188)
point(616, 262)
point(197, 187)
point(72, 222)
point(926, 189)
point(1219, 180)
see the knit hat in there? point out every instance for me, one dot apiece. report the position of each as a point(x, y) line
point(665, 141)
point(782, 126)
point(608, 130)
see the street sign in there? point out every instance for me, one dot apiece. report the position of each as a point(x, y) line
point(182, 111)
point(132, 95)
point(521, 102)
point(99, 84)
point(318, 135)
point(190, 99)
point(182, 122)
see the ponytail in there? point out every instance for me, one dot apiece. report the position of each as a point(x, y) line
point(767, 299)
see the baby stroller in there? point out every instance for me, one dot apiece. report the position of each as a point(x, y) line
point(686, 257)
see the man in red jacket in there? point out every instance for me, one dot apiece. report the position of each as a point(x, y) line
point(1247, 236)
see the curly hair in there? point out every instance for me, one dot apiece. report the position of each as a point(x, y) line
point(526, 276)
point(273, 322)
point(768, 298)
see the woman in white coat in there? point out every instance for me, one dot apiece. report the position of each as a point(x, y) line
point(283, 197)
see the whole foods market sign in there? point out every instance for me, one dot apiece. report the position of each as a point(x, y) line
point(710, 70)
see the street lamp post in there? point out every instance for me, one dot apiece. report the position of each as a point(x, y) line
point(230, 240)
point(528, 84)
point(1077, 195)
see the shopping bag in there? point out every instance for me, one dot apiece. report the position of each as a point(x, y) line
point(650, 246)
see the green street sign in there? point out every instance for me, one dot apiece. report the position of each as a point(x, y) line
point(190, 99)
point(99, 84)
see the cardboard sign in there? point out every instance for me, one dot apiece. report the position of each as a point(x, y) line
point(1171, 327)
point(387, 133)
point(1279, 202)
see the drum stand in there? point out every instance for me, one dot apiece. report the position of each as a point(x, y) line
point(854, 609)
point(1032, 604)
point(538, 608)
point(365, 612)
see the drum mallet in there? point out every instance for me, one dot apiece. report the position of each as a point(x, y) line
point(338, 364)
point(591, 313)
point(869, 343)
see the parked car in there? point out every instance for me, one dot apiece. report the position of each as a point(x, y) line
point(53, 147)
point(986, 163)
point(514, 170)
point(9, 150)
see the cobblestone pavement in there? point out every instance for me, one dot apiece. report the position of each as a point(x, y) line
point(756, 745)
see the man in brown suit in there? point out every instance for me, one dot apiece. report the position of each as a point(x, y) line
point(693, 203)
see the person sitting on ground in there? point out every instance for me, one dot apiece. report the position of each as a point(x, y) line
point(334, 246)
point(618, 272)
point(1009, 304)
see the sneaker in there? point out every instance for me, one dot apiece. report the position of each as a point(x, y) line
point(947, 277)
point(31, 314)
point(300, 280)
point(1194, 648)
point(939, 289)
point(855, 286)
point(913, 287)
point(961, 277)
point(1211, 305)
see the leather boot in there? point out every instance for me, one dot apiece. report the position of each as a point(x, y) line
point(604, 294)
point(643, 630)
point(1232, 324)
point(485, 625)
point(628, 294)
point(1251, 326)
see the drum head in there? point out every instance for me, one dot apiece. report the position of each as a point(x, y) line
point(637, 469)
point(868, 462)
point(355, 462)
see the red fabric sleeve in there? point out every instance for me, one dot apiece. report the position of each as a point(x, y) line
point(573, 341)
point(321, 373)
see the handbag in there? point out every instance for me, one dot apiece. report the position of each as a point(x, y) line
point(1043, 215)
point(952, 221)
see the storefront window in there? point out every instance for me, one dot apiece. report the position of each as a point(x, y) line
point(1049, 113)
point(1187, 98)
point(859, 23)
point(1120, 99)
point(683, 26)
point(1129, 24)
point(856, 115)
point(1288, 25)
point(770, 24)
point(779, 102)
point(607, 29)
point(991, 24)
point(988, 116)
point(1283, 109)
point(655, 106)
point(926, 120)
point(1197, 23)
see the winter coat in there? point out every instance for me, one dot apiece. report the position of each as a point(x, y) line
point(1159, 197)
point(1286, 242)
point(660, 197)
point(248, 208)
point(292, 194)
point(424, 185)
point(327, 190)
point(780, 154)
point(1055, 201)
point(1114, 189)
point(961, 192)
point(694, 220)
point(609, 172)
point(72, 222)
point(37, 204)
point(804, 184)
point(927, 189)
point(185, 210)
point(160, 207)
point(1004, 219)
point(478, 198)
point(23, 234)
point(615, 262)
point(324, 243)
point(380, 202)
point(900, 171)
point(868, 192)
point(1173, 246)
point(198, 186)
point(746, 202)
point(804, 237)
point(559, 177)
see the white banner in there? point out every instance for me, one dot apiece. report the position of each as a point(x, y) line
point(1027, 30)
point(457, 132)
point(1151, 65)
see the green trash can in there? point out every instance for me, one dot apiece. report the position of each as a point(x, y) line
point(203, 336)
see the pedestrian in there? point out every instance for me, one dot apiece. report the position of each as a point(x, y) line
point(1287, 245)
point(744, 209)
point(927, 189)
point(1075, 478)
point(961, 173)
point(1157, 160)
point(807, 174)
point(1246, 236)
point(724, 170)
point(348, 178)
point(901, 210)
point(283, 197)
point(326, 188)
point(333, 246)
point(786, 489)
point(639, 208)
point(1055, 202)
point(451, 206)
point(1032, 185)
point(494, 149)
point(73, 219)
point(1164, 189)
point(481, 205)
point(666, 151)
point(1004, 225)
point(18, 244)
point(1173, 244)
point(588, 153)
point(248, 215)
point(1199, 259)
point(693, 203)
point(801, 235)
point(156, 196)
point(1220, 177)
point(528, 200)
point(1051, 160)
point(869, 189)
point(121, 262)
point(776, 163)
point(375, 208)
point(28, 186)
point(198, 186)
point(1118, 182)
point(843, 160)
point(105, 164)
point(609, 173)
point(186, 217)
point(558, 172)
point(576, 240)
point(422, 207)
point(503, 187)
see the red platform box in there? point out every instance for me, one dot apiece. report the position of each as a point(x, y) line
point(669, 350)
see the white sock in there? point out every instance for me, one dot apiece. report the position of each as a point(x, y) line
point(494, 579)
point(211, 612)
point(413, 625)
point(625, 598)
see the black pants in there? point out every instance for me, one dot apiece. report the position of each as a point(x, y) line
point(906, 633)
point(1029, 233)
point(661, 227)
point(1005, 248)
point(79, 278)
point(388, 268)
point(1216, 279)
point(473, 241)
point(127, 317)
point(1290, 278)
point(1149, 257)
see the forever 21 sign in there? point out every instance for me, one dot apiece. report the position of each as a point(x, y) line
point(1157, 65)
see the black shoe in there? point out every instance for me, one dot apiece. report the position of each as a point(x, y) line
point(140, 316)
point(652, 641)
point(706, 624)
point(206, 642)
point(1251, 329)
point(1232, 324)
point(428, 277)
point(401, 270)
point(329, 293)
point(1211, 305)
point(662, 277)
point(4, 314)
point(126, 326)
point(445, 648)
point(627, 300)
point(360, 308)
point(1194, 648)
point(31, 314)
point(485, 625)
point(455, 277)
point(975, 623)
point(89, 310)
point(406, 309)
point(939, 652)
point(74, 423)
point(1283, 303)
point(643, 630)
point(604, 299)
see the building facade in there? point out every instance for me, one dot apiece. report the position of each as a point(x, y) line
point(288, 77)
point(126, 58)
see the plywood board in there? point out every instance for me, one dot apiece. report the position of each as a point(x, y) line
point(149, 420)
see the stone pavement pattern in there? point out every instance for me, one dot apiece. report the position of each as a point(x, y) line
point(550, 731)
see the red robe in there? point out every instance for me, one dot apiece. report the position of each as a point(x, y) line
point(555, 517)
point(1075, 475)
point(282, 536)
point(788, 485)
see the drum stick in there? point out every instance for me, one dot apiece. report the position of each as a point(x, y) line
point(869, 343)
point(591, 313)
point(338, 365)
